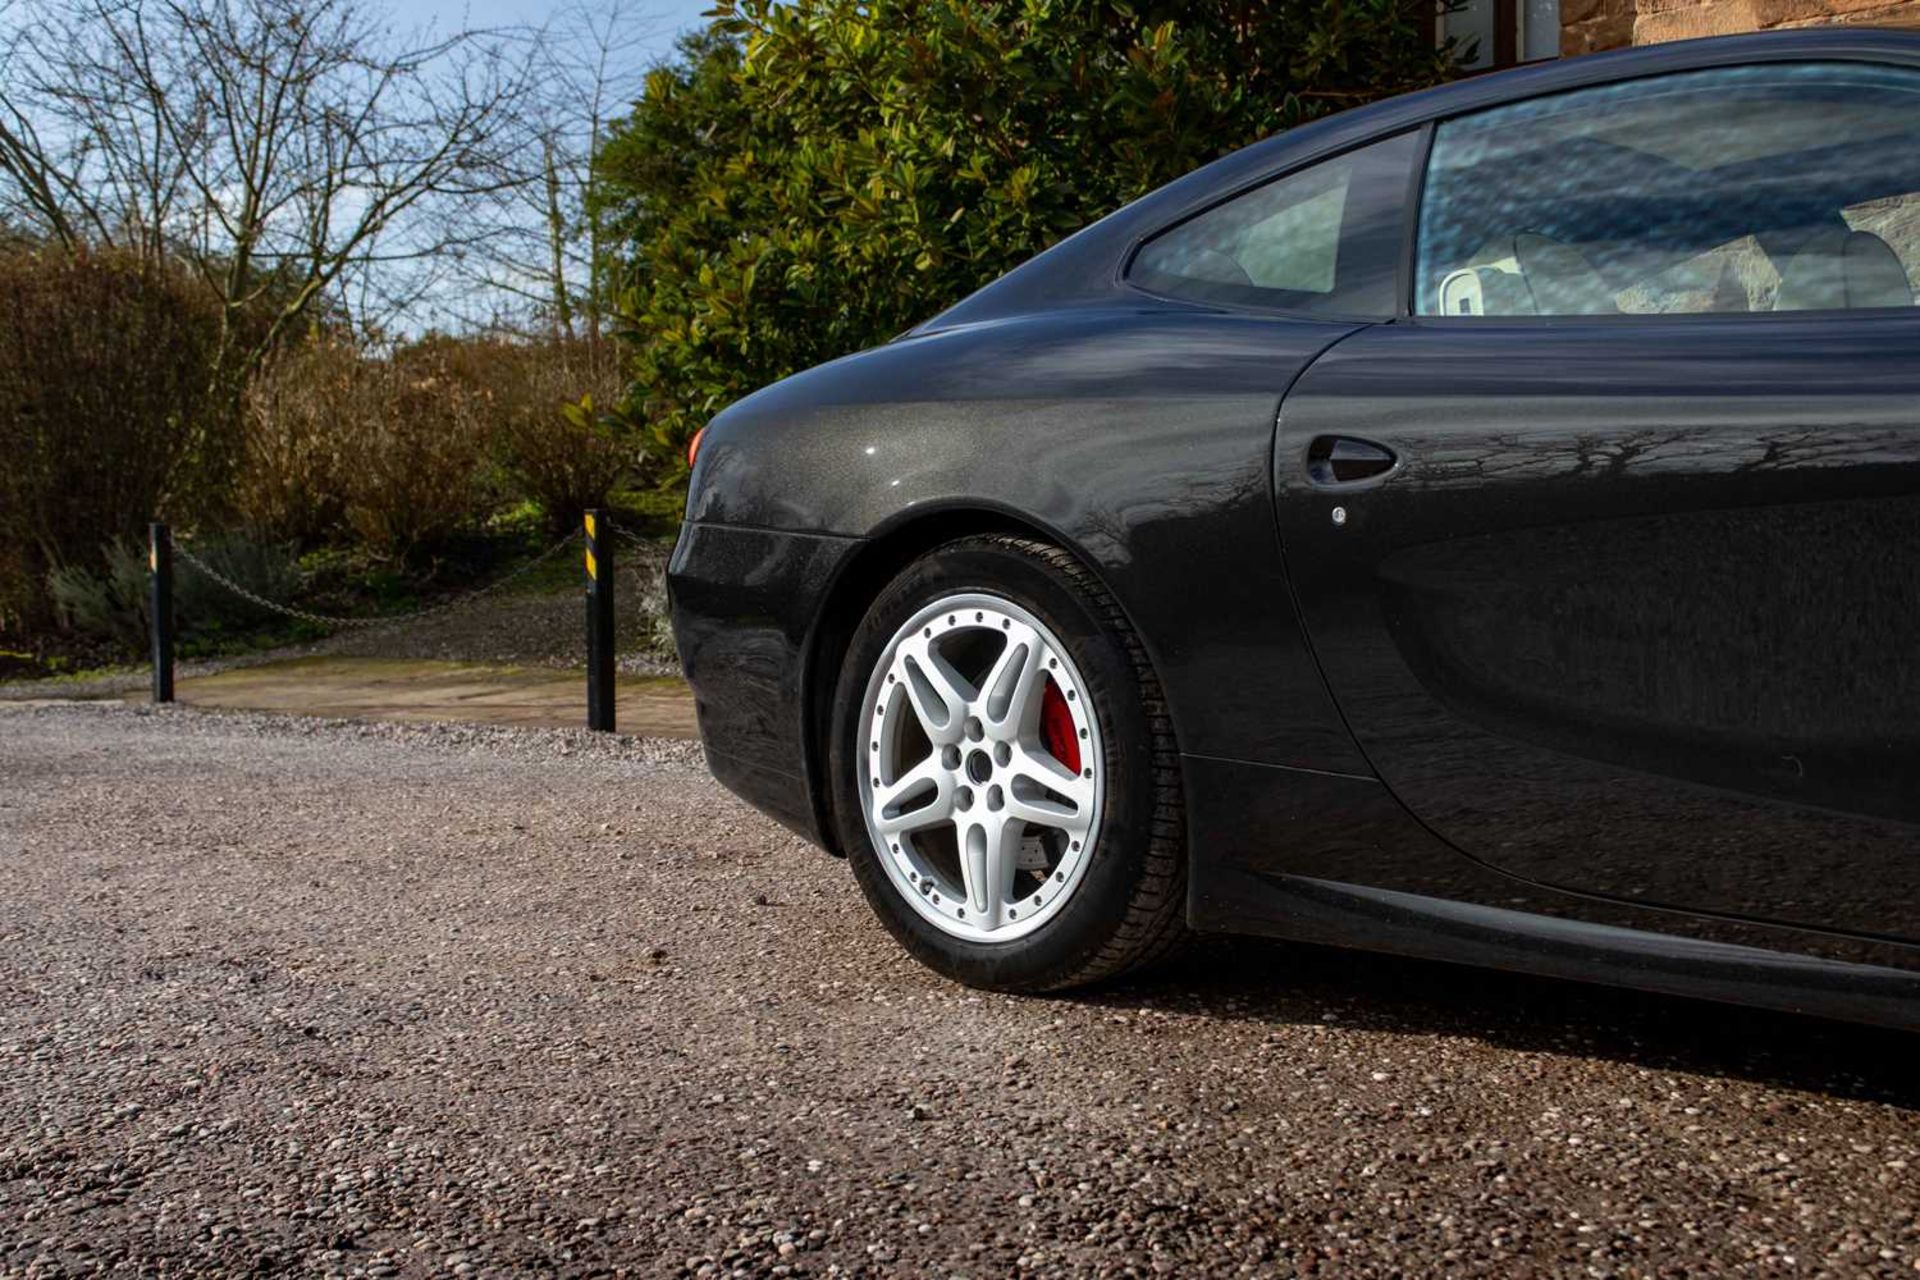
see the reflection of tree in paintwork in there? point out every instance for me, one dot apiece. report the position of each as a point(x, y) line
point(1543, 455)
point(1535, 456)
point(1824, 447)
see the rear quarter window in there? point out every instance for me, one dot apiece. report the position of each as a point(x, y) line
point(1324, 239)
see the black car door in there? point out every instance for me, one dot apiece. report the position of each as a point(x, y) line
point(1611, 554)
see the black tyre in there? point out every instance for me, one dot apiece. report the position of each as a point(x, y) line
point(1006, 783)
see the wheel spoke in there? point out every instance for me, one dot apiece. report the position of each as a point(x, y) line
point(939, 694)
point(987, 864)
point(1069, 803)
point(923, 777)
point(1010, 692)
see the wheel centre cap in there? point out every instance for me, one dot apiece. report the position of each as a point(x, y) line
point(979, 766)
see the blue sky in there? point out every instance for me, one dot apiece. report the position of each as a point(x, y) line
point(663, 20)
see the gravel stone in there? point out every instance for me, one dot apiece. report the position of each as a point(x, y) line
point(345, 999)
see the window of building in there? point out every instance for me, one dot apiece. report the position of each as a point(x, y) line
point(1502, 33)
point(1768, 188)
point(1324, 239)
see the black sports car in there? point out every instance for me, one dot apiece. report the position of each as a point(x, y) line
point(1484, 525)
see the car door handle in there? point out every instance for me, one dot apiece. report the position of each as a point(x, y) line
point(1338, 460)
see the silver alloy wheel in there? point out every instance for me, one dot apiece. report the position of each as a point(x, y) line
point(979, 823)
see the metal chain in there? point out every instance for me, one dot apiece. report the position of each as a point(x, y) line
point(331, 620)
point(653, 559)
point(637, 539)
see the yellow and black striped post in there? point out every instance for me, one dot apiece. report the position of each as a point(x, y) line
point(160, 576)
point(599, 621)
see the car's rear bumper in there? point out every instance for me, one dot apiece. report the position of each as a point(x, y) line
point(745, 606)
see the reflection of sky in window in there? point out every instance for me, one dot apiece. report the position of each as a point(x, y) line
point(1642, 175)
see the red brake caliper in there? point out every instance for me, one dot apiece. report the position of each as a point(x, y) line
point(1056, 728)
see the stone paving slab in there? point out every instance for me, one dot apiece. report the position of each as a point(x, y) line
point(408, 689)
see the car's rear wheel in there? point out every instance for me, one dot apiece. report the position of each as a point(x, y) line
point(1005, 779)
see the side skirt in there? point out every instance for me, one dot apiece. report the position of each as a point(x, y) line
point(1334, 859)
point(1308, 910)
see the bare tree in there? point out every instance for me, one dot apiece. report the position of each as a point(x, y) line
point(297, 154)
point(547, 252)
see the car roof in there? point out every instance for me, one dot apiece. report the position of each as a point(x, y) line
point(1082, 269)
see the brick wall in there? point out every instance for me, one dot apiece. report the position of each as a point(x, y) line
point(1591, 25)
point(1588, 26)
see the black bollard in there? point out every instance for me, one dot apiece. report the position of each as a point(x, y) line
point(599, 621)
point(160, 573)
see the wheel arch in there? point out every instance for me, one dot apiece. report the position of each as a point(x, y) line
point(891, 547)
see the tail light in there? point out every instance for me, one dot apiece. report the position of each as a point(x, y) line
point(693, 447)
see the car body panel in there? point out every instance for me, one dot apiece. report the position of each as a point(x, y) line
point(1636, 613)
point(744, 610)
point(1139, 437)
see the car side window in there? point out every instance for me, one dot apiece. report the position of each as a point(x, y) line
point(1323, 239)
point(1786, 187)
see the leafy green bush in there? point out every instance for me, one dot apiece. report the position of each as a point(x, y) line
point(814, 176)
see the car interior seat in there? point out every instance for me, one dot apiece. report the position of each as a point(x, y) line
point(1484, 291)
point(1836, 268)
point(1548, 278)
point(1562, 281)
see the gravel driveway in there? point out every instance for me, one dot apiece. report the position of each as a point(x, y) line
point(292, 995)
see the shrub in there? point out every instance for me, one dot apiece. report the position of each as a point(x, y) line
point(656, 613)
point(407, 449)
point(415, 444)
point(204, 607)
point(815, 176)
point(108, 600)
point(104, 405)
point(389, 448)
point(21, 596)
point(290, 484)
point(109, 604)
point(559, 436)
